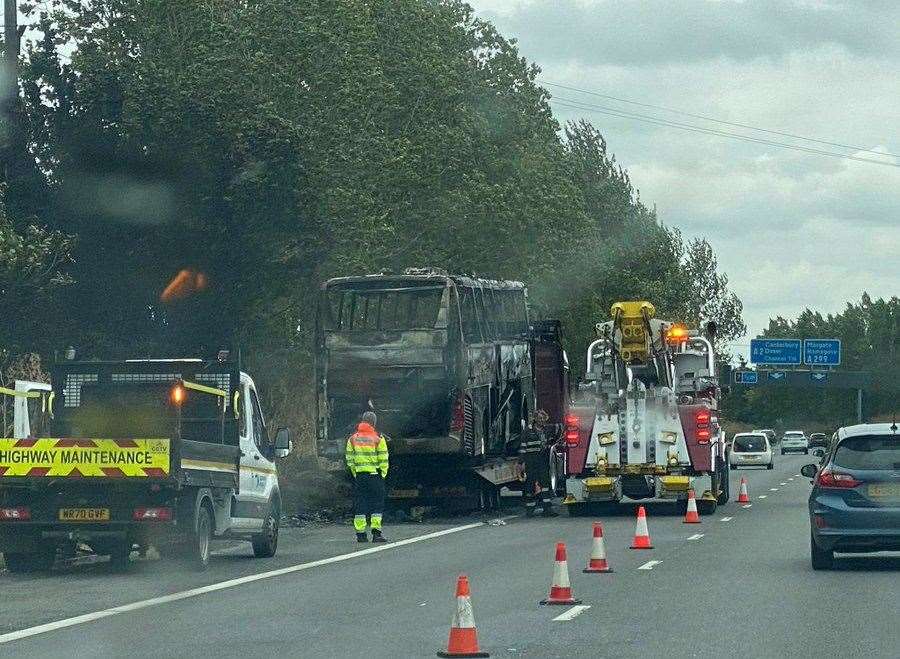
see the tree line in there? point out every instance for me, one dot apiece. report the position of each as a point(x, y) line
point(183, 174)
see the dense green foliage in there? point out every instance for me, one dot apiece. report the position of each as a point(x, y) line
point(870, 341)
point(272, 144)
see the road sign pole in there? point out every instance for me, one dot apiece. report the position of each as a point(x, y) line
point(859, 396)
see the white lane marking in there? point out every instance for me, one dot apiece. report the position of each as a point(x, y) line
point(649, 565)
point(782, 483)
point(726, 519)
point(222, 585)
point(791, 478)
point(574, 612)
point(747, 505)
point(773, 489)
point(797, 475)
point(696, 536)
point(762, 496)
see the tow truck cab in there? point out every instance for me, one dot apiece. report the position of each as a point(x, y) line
point(169, 453)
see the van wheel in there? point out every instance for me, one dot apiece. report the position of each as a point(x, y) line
point(197, 549)
point(266, 543)
point(40, 560)
point(120, 556)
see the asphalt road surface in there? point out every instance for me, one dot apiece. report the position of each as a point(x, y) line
point(738, 584)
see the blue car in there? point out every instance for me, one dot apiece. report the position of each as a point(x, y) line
point(854, 505)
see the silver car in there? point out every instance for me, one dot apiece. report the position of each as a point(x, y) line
point(794, 441)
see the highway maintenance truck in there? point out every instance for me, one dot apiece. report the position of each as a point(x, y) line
point(452, 365)
point(644, 423)
point(164, 452)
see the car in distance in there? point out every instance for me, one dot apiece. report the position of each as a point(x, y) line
point(768, 432)
point(794, 441)
point(749, 449)
point(818, 440)
point(854, 505)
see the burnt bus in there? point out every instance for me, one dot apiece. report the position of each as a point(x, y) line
point(444, 360)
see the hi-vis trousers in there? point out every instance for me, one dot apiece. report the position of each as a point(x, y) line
point(368, 501)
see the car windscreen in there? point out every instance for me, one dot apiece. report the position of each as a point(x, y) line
point(793, 435)
point(749, 444)
point(869, 452)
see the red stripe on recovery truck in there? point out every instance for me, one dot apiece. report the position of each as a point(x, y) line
point(125, 443)
point(154, 472)
point(113, 472)
point(26, 443)
point(3, 470)
point(39, 471)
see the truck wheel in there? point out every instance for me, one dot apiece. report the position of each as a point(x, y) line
point(724, 484)
point(266, 543)
point(40, 560)
point(197, 551)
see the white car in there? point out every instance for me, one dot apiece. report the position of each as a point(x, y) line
point(750, 449)
point(794, 441)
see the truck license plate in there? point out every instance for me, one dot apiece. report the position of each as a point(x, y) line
point(84, 514)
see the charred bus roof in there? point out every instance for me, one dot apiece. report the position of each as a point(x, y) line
point(424, 275)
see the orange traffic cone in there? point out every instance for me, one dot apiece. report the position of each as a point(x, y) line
point(744, 497)
point(598, 563)
point(641, 534)
point(560, 589)
point(463, 636)
point(691, 516)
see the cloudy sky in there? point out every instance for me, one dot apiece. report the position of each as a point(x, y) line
point(792, 229)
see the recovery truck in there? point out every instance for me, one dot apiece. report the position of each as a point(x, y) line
point(170, 453)
point(645, 421)
point(453, 367)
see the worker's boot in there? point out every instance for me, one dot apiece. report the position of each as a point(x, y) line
point(377, 537)
point(362, 537)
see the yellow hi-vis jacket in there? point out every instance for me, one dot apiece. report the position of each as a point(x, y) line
point(367, 452)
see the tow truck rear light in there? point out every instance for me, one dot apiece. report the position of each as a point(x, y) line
point(703, 433)
point(15, 514)
point(152, 515)
point(836, 480)
point(572, 430)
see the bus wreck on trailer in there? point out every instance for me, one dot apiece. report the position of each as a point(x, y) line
point(446, 361)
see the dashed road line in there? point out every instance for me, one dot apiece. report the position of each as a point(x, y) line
point(649, 565)
point(791, 478)
point(762, 496)
point(782, 483)
point(773, 489)
point(726, 519)
point(574, 612)
point(747, 505)
point(797, 475)
point(696, 536)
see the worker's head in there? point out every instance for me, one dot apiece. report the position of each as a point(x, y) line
point(370, 418)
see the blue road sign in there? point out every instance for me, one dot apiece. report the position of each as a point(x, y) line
point(746, 377)
point(818, 376)
point(822, 352)
point(777, 376)
point(775, 351)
